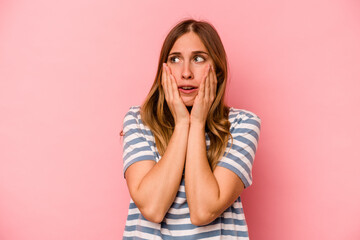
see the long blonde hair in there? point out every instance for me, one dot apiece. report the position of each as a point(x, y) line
point(155, 112)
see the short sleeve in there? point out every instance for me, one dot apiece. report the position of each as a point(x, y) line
point(136, 146)
point(240, 157)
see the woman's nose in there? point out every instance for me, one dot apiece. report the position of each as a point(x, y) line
point(186, 71)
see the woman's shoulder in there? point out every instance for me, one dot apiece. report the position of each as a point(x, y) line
point(242, 118)
point(134, 108)
point(132, 116)
point(236, 113)
point(133, 111)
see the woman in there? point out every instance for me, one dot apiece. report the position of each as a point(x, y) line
point(187, 156)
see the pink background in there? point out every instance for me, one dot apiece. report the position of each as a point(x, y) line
point(69, 70)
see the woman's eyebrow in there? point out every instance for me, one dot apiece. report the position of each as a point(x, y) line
point(194, 52)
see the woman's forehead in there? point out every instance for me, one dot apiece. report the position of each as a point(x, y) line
point(188, 43)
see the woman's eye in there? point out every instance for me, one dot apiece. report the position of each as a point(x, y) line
point(199, 59)
point(174, 59)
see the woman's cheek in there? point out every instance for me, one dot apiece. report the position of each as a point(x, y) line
point(176, 73)
point(200, 72)
point(172, 70)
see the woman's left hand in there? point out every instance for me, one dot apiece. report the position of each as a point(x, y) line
point(204, 98)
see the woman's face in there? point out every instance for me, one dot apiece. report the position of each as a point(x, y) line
point(187, 61)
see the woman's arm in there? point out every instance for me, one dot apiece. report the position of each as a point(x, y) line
point(153, 187)
point(208, 194)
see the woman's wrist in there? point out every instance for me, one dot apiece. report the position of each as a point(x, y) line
point(182, 124)
point(197, 124)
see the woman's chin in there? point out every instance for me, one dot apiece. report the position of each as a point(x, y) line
point(188, 101)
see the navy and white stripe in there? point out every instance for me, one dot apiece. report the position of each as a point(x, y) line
point(139, 144)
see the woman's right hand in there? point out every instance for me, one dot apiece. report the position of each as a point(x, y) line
point(176, 105)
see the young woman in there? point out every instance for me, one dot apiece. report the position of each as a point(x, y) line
point(187, 156)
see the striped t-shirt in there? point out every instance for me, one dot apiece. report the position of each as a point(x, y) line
point(139, 144)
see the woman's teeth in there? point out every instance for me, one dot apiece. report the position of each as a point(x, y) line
point(187, 88)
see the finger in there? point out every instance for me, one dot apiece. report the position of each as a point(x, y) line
point(207, 83)
point(202, 88)
point(214, 74)
point(164, 82)
point(174, 85)
point(169, 84)
point(213, 84)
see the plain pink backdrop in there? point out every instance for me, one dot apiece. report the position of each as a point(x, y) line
point(69, 70)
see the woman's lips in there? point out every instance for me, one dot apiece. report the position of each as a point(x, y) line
point(187, 91)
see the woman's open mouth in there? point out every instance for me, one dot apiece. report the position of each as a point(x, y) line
point(187, 89)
